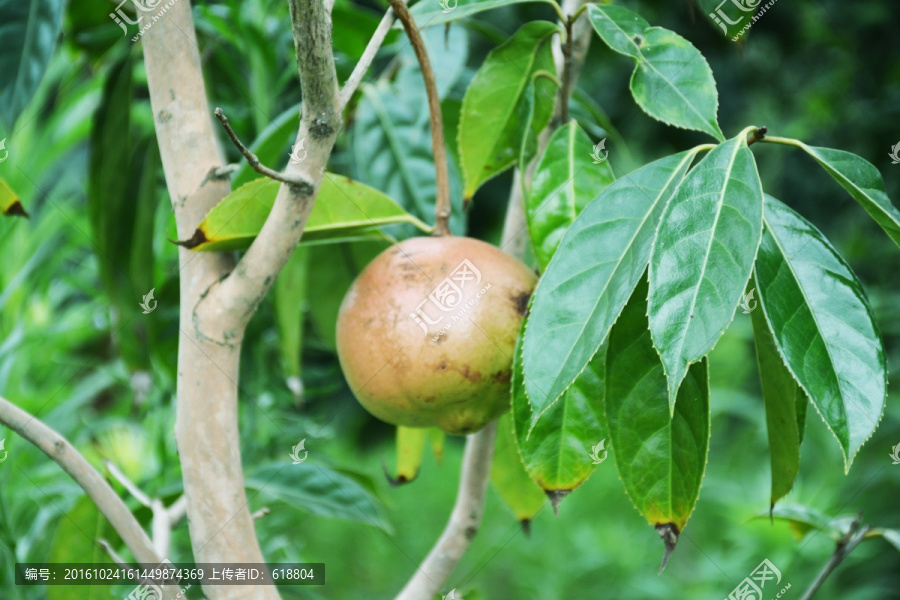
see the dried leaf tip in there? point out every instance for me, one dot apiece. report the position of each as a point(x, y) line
point(669, 534)
point(556, 497)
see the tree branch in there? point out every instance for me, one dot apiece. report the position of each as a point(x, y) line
point(219, 521)
point(515, 224)
point(441, 172)
point(58, 449)
point(464, 520)
point(223, 313)
point(853, 537)
point(365, 61)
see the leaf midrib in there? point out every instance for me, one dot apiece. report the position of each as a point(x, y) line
point(677, 169)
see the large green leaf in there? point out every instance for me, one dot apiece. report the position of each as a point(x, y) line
point(823, 325)
point(509, 478)
point(591, 276)
point(391, 135)
point(672, 82)
point(434, 12)
point(661, 458)
point(122, 196)
point(862, 180)
point(556, 451)
point(785, 406)
point(702, 256)
point(343, 209)
point(489, 126)
point(29, 31)
point(318, 490)
point(565, 181)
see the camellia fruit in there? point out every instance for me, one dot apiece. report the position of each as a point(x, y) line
point(426, 333)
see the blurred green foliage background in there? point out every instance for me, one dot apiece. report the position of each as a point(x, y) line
point(76, 350)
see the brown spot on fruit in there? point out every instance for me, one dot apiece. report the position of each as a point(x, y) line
point(458, 380)
point(520, 302)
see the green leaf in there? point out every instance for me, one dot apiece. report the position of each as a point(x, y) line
point(601, 258)
point(489, 126)
point(10, 206)
point(804, 519)
point(29, 31)
point(432, 12)
point(75, 542)
point(661, 458)
point(272, 146)
point(823, 325)
point(702, 256)
point(862, 180)
point(289, 298)
point(343, 208)
point(509, 478)
point(672, 82)
point(391, 135)
point(557, 450)
point(785, 406)
point(410, 446)
point(318, 490)
point(565, 181)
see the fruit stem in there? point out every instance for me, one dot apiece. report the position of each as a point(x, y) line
point(442, 178)
point(564, 91)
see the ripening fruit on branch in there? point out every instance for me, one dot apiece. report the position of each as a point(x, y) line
point(426, 333)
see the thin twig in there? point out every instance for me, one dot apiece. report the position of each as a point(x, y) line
point(177, 510)
point(442, 177)
point(845, 546)
point(110, 551)
point(119, 476)
point(365, 61)
point(261, 513)
point(565, 88)
point(253, 161)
